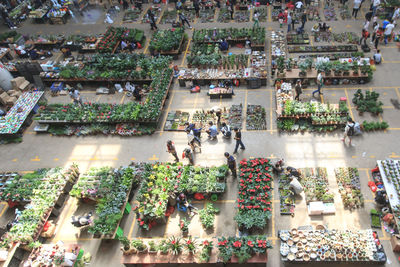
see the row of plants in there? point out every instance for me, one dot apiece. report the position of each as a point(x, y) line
point(256, 118)
point(329, 119)
point(207, 216)
point(315, 184)
point(321, 48)
point(336, 56)
point(348, 180)
point(216, 60)
point(110, 189)
point(254, 195)
point(295, 108)
point(167, 40)
point(148, 110)
point(204, 49)
point(367, 102)
point(244, 248)
point(296, 39)
point(255, 35)
point(373, 126)
point(121, 129)
point(305, 124)
point(391, 168)
point(162, 180)
point(9, 37)
point(120, 66)
point(286, 198)
point(114, 35)
point(42, 199)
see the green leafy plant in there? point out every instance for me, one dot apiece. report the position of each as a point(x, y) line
point(175, 245)
point(190, 244)
point(126, 244)
point(207, 215)
point(207, 247)
point(138, 245)
point(184, 225)
point(152, 246)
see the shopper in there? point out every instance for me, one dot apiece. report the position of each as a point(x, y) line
point(368, 16)
point(231, 162)
point(183, 19)
point(256, 20)
point(224, 46)
point(171, 149)
point(364, 36)
point(348, 130)
point(218, 112)
point(303, 20)
point(356, 8)
point(298, 90)
point(293, 172)
point(375, 27)
point(238, 138)
point(76, 96)
point(396, 14)
point(381, 198)
point(231, 9)
point(226, 130)
point(378, 37)
point(193, 142)
point(377, 57)
point(299, 5)
point(212, 130)
point(375, 5)
point(320, 83)
point(289, 22)
point(125, 4)
point(152, 19)
point(388, 32)
point(281, 17)
point(196, 7)
point(187, 153)
point(217, 3)
point(295, 186)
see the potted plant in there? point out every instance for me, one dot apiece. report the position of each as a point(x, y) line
point(289, 65)
point(206, 250)
point(355, 68)
point(139, 245)
point(126, 245)
point(190, 245)
point(152, 247)
point(175, 245)
point(184, 226)
point(346, 67)
point(280, 62)
point(163, 247)
point(303, 68)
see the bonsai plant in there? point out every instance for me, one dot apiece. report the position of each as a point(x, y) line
point(175, 245)
point(139, 245)
point(190, 245)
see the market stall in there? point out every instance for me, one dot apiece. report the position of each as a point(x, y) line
point(17, 115)
point(39, 15)
point(168, 42)
point(331, 246)
point(58, 254)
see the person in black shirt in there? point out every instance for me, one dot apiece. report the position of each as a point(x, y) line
point(238, 138)
point(293, 171)
point(230, 160)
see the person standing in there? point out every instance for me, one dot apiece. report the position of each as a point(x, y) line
point(388, 32)
point(303, 20)
point(152, 19)
point(192, 140)
point(218, 3)
point(231, 162)
point(183, 19)
point(356, 8)
point(375, 27)
point(238, 138)
point(196, 7)
point(348, 130)
point(396, 14)
point(364, 36)
point(256, 20)
point(289, 22)
point(231, 9)
point(320, 83)
point(281, 17)
point(125, 4)
point(298, 90)
point(375, 5)
point(378, 37)
point(171, 149)
point(76, 96)
point(187, 153)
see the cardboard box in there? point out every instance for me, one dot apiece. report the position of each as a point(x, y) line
point(25, 86)
point(11, 101)
point(17, 94)
point(16, 82)
point(395, 241)
point(3, 98)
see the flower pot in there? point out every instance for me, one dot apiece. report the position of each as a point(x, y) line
point(152, 252)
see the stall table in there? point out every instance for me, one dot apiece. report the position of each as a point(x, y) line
point(47, 248)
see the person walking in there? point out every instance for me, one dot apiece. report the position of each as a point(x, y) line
point(152, 20)
point(378, 37)
point(298, 90)
point(396, 14)
point(183, 19)
point(125, 4)
point(231, 162)
point(238, 138)
point(256, 20)
point(356, 8)
point(375, 5)
point(192, 141)
point(388, 32)
point(196, 7)
point(187, 153)
point(231, 9)
point(171, 149)
point(320, 83)
point(375, 27)
point(76, 96)
point(348, 130)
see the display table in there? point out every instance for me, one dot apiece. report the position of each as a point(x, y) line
point(183, 258)
point(58, 254)
point(16, 116)
point(219, 92)
point(62, 19)
point(39, 15)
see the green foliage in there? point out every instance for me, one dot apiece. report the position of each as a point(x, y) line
point(372, 126)
point(167, 40)
point(369, 102)
point(207, 216)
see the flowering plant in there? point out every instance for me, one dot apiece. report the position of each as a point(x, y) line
point(190, 244)
point(184, 225)
point(205, 252)
point(254, 200)
point(175, 245)
point(242, 247)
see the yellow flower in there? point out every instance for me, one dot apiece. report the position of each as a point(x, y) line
point(155, 166)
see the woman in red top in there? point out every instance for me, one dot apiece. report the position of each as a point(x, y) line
point(281, 17)
point(364, 36)
point(378, 36)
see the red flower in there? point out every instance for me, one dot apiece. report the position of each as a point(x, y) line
point(142, 222)
point(173, 242)
point(206, 243)
point(250, 244)
point(189, 242)
point(237, 244)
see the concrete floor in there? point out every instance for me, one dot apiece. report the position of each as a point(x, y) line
point(299, 150)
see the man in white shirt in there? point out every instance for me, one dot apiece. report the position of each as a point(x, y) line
point(396, 13)
point(375, 5)
point(295, 186)
point(377, 57)
point(299, 4)
point(388, 32)
point(356, 7)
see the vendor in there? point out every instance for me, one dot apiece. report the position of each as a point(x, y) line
point(66, 51)
point(124, 45)
point(377, 57)
point(381, 198)
point(212, 130)
point(293, 172)
point(176, 71)
point(226, 130)
point(295, 186)
point(278, 166)
point(224, 46)
point(218, 113)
